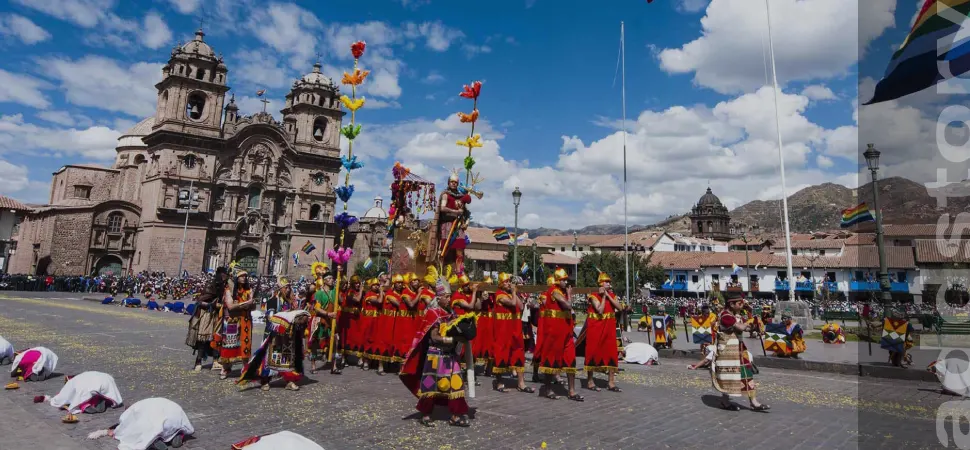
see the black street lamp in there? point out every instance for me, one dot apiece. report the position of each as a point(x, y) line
point(872, 160)
point(516, 198)
point(535, 250)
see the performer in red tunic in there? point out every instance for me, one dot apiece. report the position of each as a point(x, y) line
point(348, 322)
point(602, 354)
point(558, 351)
point(426, 295)
point(508, 345)
point(537, 354)
point(482, 347)
point(452, 215)
point(387, 322)
point(370, 313)
point(405, 324)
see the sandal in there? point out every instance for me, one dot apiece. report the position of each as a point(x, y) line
point(461, 422)
point(426, 421)
point(614, 389)
point(264, 388)
point(381, 373)
point(760, 408)
point(335, 372)
point(527, 389)
point(177, 441)
point(594, 388)
point(576, 398)
point(223, 375)
point(730, 407)
point(552, 396)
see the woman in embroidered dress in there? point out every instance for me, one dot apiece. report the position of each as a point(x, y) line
point(733, 372)
point(235, 339)
point(431, 370)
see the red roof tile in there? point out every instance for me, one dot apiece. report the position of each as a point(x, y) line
point(9, 203)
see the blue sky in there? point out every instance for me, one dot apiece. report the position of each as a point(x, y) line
point(77, 73)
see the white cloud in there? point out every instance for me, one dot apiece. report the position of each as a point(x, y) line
point(185, 6)
point(13, 178)
point(156, 32)
point(106, 84)
point(437, 36)
point(22, 28)
point(58, 117)
point(288, 29)
point(22, 89)
point(260, 69)
point(691, 6)
point(414, 4)
point(472, 50)
point(382, 83)
point(824, 161)
point(812, 40)
point(83, 13)
point(96, 142)
point(671, 155)
point(818, 92)
point(433, 77)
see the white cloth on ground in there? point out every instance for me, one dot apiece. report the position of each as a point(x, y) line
point(84, 386)
point(150, 419)
point(284, 440)
point(6, 349)
point(953, 375)
point(45, 364)
point(640, 353)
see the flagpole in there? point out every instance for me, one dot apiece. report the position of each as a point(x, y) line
point(626, 226)
point(781, 158)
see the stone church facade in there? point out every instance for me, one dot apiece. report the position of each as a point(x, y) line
point(250, 189)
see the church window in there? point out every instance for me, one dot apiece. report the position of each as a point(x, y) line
point(139, 159)
point(189, 161)
point(315, 212)
point(254, 196)
point(114, 222)
point(199, 73)
point(700, 227)
point(195, 108)
point(319, 128)
point(82, 191)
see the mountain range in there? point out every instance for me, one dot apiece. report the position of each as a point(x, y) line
point(815, 208)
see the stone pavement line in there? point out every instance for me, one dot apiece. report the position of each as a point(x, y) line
point(662, 407)
point(20, 429)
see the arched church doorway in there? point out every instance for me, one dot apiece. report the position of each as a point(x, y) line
point(42, 265)
point(108, 265)
point(247, 259)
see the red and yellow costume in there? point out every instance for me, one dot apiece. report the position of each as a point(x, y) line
point(451, 243)
point(386, 325)
point(602, 353)
point(370, 313)
point(556, 346)
point(508, 347)
point(348, 322)
point(234, 342)
point(407, 321)
point(482, 349)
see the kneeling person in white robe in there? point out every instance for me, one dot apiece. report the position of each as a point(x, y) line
point(6, 352)
point(89, 392)
point(277, 441)
point(152, 423)
point(36, 364)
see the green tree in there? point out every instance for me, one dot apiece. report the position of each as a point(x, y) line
point(614, 264)
point(526, 255)
point(369, 272)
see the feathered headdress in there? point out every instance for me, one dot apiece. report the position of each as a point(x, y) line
point(603, 277)
point(443, 287)
point(282, 281)
point(560, 274)
point(454, 176)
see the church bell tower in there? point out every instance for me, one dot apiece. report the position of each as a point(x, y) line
point(192, 91)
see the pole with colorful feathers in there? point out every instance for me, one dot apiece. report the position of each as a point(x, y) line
point(344, 220)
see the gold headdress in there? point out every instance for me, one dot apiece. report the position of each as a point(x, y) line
point(603, 278)
point(551, 281)
point(283, 282)
point(398, 278)
point(463, 280)
point(319, 270)
point(503, 277)
point(373, 282)
point(410, 276)
point(432, 276)
point(561, 274)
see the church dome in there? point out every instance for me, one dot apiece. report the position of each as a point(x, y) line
point(132, 137)
point(198, 47)
point(709, 199)
point(377, 211)
point(317, 77)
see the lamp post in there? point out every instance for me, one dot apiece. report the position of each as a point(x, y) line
point(576, 250)
point(535, 249)
point(516, 198)
point(185, 226)
point(872, 160)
